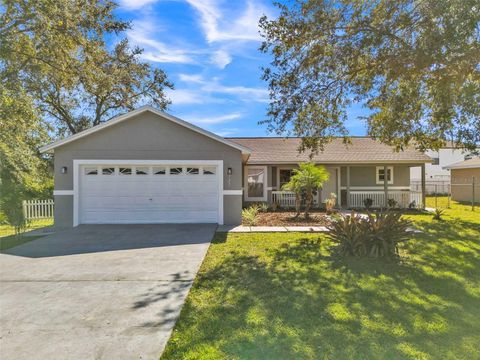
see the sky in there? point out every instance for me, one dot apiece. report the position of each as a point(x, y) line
point(210, 51)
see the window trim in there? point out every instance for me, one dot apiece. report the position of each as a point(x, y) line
point(377, 175)
point(265, 183)
point(278, 187)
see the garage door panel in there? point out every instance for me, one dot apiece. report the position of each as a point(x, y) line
point(146, 217)
point(149, 198)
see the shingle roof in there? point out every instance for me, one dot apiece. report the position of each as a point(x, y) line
point(467, 164)
point(360, 150)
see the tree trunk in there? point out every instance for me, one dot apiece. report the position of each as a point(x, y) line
point(298, 203)
point(308, 203)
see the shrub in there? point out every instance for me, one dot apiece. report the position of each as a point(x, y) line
point(412, 205)
point(348, 232)
point(276, 206)
point(392, 203)
point(14, 215)
point(330, 203)
point(437, 215)
point(249, 215)
point(263, 207)
point(376, 235)
point(368, 203)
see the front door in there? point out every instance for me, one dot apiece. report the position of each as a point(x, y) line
point(331, 186)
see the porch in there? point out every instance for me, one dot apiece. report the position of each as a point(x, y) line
point(352, 184)
point(357, 199)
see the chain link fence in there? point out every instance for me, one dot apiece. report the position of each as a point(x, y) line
point(463, 190)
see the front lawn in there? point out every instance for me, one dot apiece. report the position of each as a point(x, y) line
point(285, 296)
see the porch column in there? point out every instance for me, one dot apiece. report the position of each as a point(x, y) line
point(348, 187)
point(385, 184)
point(423, 186)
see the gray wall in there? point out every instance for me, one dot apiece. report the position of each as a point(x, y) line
point(365, 175)
point(146, 137)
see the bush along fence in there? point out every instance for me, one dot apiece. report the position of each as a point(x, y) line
point(38, 209)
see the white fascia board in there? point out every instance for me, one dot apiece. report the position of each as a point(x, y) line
point(138, 111)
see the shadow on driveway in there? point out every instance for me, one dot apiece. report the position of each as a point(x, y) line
point(100, 238)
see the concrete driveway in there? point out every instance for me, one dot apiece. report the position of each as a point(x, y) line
point(98, 291)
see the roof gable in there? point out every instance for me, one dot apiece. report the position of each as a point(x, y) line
point(131, 114)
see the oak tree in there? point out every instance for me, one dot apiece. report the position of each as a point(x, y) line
point(415, 64)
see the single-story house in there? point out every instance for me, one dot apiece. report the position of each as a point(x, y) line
point(465, 180)
point(147, 166)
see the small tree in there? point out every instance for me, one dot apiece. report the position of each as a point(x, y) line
point(304, 182)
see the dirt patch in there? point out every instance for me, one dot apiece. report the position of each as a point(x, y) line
point(287, 218)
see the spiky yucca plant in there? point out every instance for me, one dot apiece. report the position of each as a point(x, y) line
point(376, 235)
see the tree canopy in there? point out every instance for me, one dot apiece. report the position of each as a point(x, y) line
point(413, 63)
point(57, 51)
point(305, 181)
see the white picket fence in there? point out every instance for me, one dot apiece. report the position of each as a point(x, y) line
point(284, 198)
point(403, 198)
point(38, 209)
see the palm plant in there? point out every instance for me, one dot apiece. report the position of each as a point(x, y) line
point(304, 182)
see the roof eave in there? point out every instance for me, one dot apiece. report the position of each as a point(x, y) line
point(419, 162)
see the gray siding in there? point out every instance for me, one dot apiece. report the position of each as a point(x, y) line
point(365, 175)
point(146, 137)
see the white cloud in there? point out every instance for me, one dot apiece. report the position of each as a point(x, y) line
point(192, 78)
point(221, 58)
point(218, 27)
point(135, 4)
point(210, 120)
point(154, 50)
point(213, 86)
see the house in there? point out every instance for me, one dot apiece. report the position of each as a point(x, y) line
point(437, 171)
point(465, 177)
point(147, 166)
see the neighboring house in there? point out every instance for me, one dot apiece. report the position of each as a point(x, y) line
point(437, 171)
point(465, 180)
point(150, 167)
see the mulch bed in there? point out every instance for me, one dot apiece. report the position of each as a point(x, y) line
point(287, 218)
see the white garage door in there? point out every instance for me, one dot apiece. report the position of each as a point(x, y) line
point(123, 194)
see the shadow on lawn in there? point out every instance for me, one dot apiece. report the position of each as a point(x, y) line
point(298, 301)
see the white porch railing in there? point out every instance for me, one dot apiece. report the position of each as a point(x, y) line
point(403, 198)
point(284, 198)
point(38, 209)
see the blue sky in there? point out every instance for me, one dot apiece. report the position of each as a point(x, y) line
point(209, 49)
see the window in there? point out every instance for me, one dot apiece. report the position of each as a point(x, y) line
point(141, 170)
point(108, 171)
point(175, 170)
point(209, 170)
point(159, 170)
point(255, 181)
point(125, 171)
point(284, 177)
point(193, 171)
point(91, 171)
point(381, 175)
point(436, 161)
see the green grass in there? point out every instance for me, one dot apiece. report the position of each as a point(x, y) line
point(9, 240)
point(285, 296)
